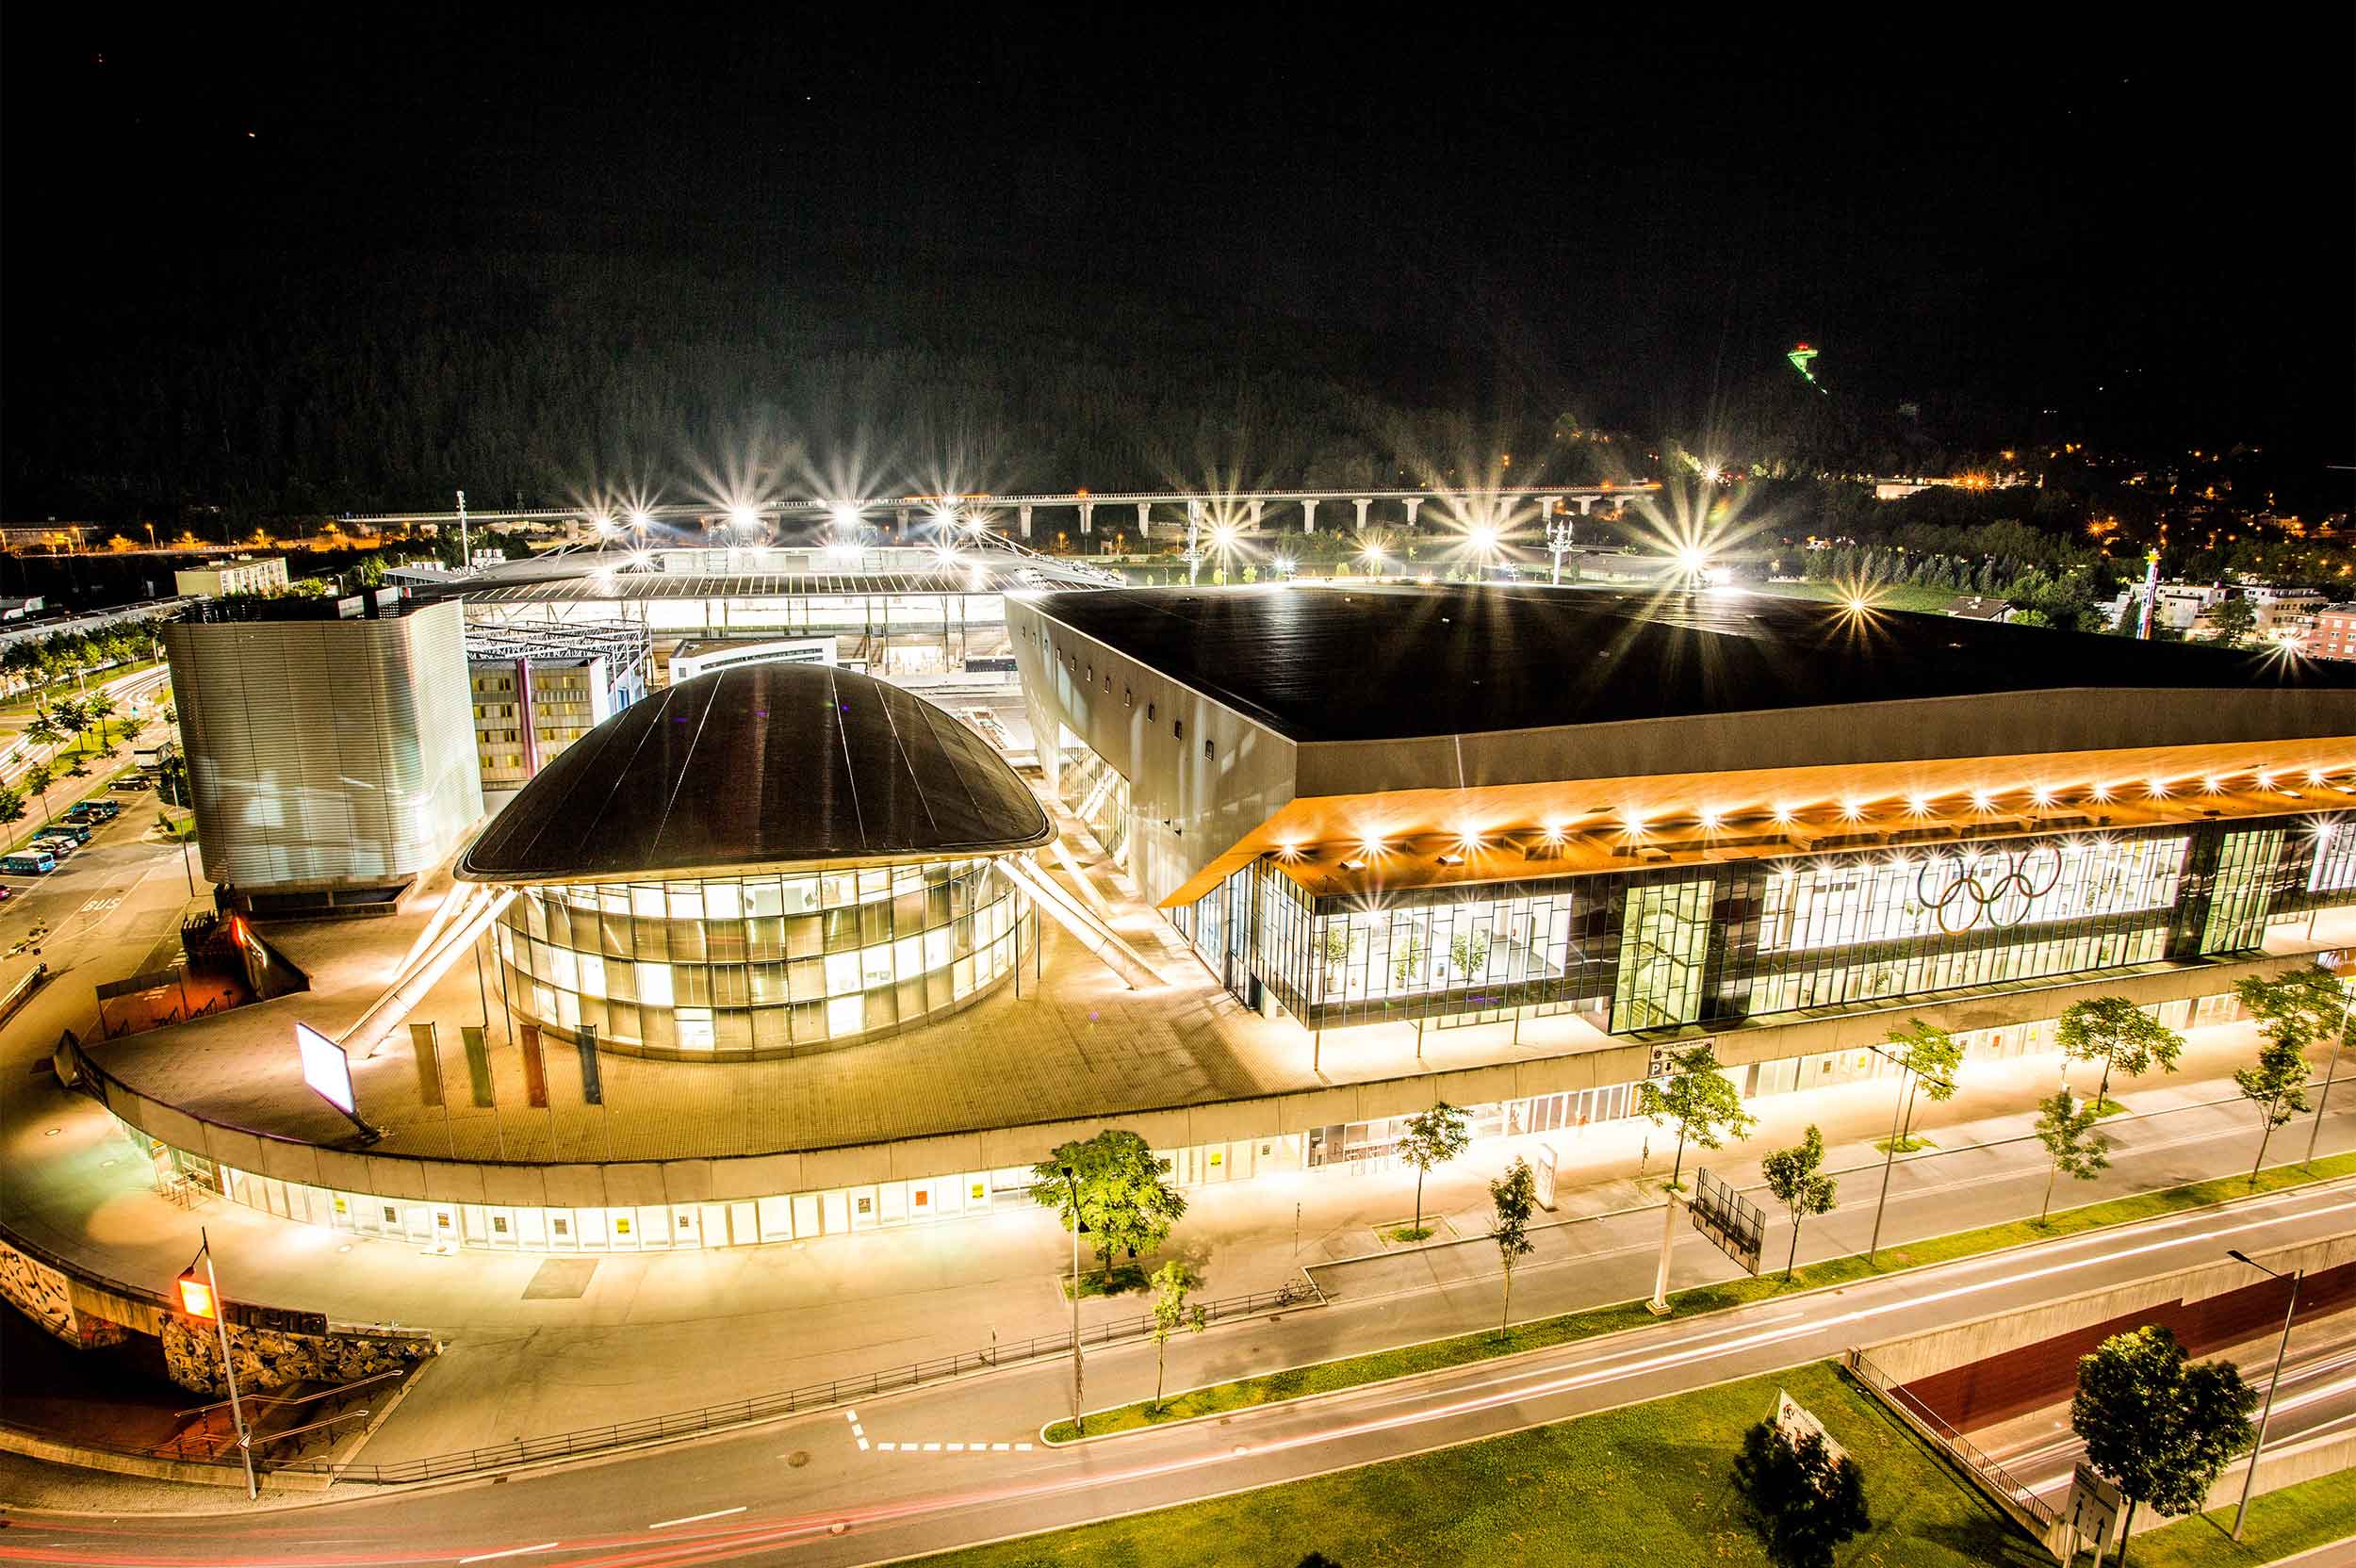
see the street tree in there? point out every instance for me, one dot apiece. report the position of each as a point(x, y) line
point(11, 806)
point(2234, 620)
point(1803, 1500)
point(2308, 1001)
point(1125, 1200)
point(1796, 1177)
point(2067, 1128)
point(100, 705)
point(1932, 1060)
point(133, 727)
point(1697, 1099)
point(72, 716)
point(37, 781)
point(45, 731)
point(2158, 1426)
point(1513, 1197)
point(1432, 1137)
point(2120, 1035)
point(2276, 1087)
point(1172, 1313)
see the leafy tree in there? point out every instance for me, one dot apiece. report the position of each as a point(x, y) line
point(2309, 1001)
point(2065, 1128)
point(2235, 621)
point(1513, 1197)
point(1467, 951)
point(2161, 1429)
point(1125, 1201)
point(133, 727)
point(1432, 1137)
point(101, 706)
point(1697, 1099)
point(1172, 1313)
point(72, 716)
point(1796, 1178)
point(1932, 1060)
point(45, 730)
point(2276, 1085)
point(1406, 959)
point(11, 806)
point(1804, 1501)
point(2120, 1035)
point(37, 781)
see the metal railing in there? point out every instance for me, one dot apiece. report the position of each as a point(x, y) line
point(213, 1433)
point(2008, 1486)
point(792, 1401)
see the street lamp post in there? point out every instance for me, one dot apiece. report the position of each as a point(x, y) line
point(1079, 1422)
point(1890, 1154)
point(2330, 1073)
point(206, 1301)
point(2250, 1477)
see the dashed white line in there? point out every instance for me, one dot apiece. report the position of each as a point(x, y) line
point(862, 1445)
point(956, 1447)
point(885, 1448)
point(698, 1518)
point(512, 1551)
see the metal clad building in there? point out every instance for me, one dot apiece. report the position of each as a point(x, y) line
point(326, 753)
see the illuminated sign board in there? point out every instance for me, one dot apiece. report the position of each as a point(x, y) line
point(325, 1067)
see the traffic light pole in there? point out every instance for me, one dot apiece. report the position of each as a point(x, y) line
point(228, 1368)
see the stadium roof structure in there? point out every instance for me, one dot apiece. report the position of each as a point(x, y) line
point(1320, 663)
point(1422, 735)
point(756, 767)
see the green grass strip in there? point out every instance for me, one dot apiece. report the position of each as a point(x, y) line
point(1646, 1484)
point(1406, 1360)
point(2282, 1524)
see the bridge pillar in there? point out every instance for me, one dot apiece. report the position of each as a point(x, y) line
point(1251, 517)
point(1585, 503)
point(1145, 524)
point(1025, 513)
point(1361, 514)
point(1414, 502)
point(1546, 505)
point(1088, 517)
point(1309, 516)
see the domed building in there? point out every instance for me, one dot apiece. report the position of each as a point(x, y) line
point(763, 861)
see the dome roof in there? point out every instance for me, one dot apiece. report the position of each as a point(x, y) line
point(763, 764)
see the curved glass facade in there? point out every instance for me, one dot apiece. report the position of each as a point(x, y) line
point(757, 964)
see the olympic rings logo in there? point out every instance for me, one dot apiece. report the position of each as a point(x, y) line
point(1994, 885)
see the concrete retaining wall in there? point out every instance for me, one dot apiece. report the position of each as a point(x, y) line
point(1905, 1361)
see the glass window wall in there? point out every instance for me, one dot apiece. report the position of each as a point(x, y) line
point(740, 965)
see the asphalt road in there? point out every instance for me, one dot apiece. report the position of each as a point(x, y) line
point(825, 1489)
point(2317, 1402)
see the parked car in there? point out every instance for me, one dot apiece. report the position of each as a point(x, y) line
point(28, 862)
point(72, 830)
point(90, 811)
point(130, 781)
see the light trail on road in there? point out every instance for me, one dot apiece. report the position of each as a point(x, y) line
point(1252, 1446)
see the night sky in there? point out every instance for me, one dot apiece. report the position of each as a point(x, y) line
point(2146, 231)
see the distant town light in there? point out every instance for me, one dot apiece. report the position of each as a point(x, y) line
point(845, 515)
point(641, 520)
point(745, 517)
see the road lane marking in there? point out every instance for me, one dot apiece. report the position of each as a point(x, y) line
point(885, 1448)
point(862, 1445)
point(512, 1551)
point(699, 1518)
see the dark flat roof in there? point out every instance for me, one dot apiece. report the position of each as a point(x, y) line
point(766, 763)
point(1369, 662)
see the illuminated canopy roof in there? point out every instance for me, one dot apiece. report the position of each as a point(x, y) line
point(761, 765)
